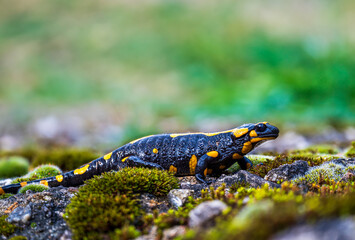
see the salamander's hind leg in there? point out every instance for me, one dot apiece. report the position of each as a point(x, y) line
point(133, 161)
point(245, 163)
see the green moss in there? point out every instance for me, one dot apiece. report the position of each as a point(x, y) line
point(318, 149)
point(93, 215)
point(273, 210)
point(108, 202)
point(66, 159)
point(42, 171)
point(13, 167)
point(134, 180)
point(351, 152)
point(326, 174)
point(255, 159)
point(18, 238)
point(6, 195)
point(33, 187)
point(33, 224)
point(313, 160)
point(126, 232)
point(6, 228)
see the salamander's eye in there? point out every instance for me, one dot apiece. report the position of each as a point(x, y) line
point(260, 127)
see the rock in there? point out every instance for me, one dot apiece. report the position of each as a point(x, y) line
point(178, 197)
point(205, 213)
point(39, 215)
point(324, 230)
point(287, 171)
point(243, 176)
point(20, 215)
point(153, 234)
point(173, 232)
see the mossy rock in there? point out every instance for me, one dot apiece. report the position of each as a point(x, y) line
point(108, 202)
point(263, 168)
point(13, 167)
point(33, 188)
point(6, 228)
point(42, 171)
point(65, 159)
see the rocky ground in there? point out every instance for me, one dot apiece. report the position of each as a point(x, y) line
point(39, 215)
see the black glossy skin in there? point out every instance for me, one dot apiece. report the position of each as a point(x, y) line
point(173, 152)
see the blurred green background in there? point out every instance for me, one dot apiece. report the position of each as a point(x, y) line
point(161, 65)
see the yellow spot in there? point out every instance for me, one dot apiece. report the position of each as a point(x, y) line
point(207, 171)
point(238, 132)
point(155, 150)
point(140, 139)
point(222, 167)
point(247, 147)
point(59, 178)
point(253, 134)
point(1, 191)
point(108, 156)
point(44, 182)
point(23, 184)
point(81, 170)
point(212, 154)
point(237, 156)
point(248, 165)
point(172, 169)
point(124, 159)
point(254, 140)
point(192, 164)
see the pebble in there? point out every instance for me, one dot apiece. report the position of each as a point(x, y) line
point(20, 215)
point(178, 197)
point(204, 214)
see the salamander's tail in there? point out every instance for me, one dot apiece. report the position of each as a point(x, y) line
point(72, 178)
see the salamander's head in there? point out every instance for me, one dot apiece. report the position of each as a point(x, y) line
point(251, 135)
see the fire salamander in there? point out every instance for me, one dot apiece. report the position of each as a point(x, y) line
point(198, 154)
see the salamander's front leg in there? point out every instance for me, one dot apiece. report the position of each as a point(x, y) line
point(202, 164)
point(245, 163)
point(133, 161)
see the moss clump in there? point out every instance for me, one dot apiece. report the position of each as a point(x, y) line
point(325, 173)
point(13, 167)
point(132, 180)
point(109, 202)
point(126, 232)
point(6, 195)
point(42, 171)
point(6, 228)
point(66, 159)
point(18, 238)
point(33, 188)
point(92, 216)
point(351, 152)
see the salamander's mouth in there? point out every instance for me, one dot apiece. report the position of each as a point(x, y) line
point(262, 138)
